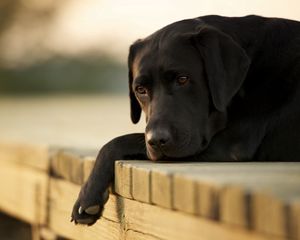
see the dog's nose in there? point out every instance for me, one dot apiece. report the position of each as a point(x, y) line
point(158, 138)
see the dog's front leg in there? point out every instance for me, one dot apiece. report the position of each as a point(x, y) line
point(94, 193)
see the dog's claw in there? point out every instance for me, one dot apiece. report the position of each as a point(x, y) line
point(88, 208)
point(93, 210)
point(80, 210)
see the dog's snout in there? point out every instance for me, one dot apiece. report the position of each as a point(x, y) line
point(158, 138)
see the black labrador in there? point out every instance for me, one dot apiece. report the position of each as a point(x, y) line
point(213, 89)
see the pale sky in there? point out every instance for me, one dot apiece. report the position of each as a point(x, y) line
point(112, 25)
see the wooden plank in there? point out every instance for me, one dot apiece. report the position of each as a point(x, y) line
point(231, 192)
point(268, 214)
point(233, 205)
point(36, 156)
point(185, 198)
point(125, 217)
point(68, 164)
point(207, 200)
point(23, 192)
point(294, 214)
point(151, 182)
point(260, 202)
point(162, 188)
point(134, 235)
point(88, 165)
point(47, 234)
point(204, 194)
point(171, 225)
point(134, 179)
point(61, 224)
point(123, 179)
point(162, 182)
point(66, 193)
point(62, 197)
point(249, 199)
point(141, 184)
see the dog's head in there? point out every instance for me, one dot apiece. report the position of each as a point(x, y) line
point(183, 77)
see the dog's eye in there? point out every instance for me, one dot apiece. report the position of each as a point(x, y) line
point(141, 90)
point(182, 80)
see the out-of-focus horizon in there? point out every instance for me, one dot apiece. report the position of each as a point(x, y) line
point(58, 45)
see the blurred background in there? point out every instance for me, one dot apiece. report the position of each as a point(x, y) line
point(73, 46)
point(63, 62)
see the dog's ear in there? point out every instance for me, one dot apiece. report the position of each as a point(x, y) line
point(226, 64)
point(135, 108)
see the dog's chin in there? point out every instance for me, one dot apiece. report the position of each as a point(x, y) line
point(158, 155)
point(155, 155)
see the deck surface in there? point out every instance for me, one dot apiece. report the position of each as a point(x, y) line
point(264, 197)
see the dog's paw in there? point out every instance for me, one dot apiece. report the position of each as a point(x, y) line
point(88, 208)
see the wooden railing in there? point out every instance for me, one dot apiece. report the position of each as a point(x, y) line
point(151, 201)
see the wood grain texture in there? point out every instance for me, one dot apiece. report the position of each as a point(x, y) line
point(47, 234)
point(129, 219)
point(35, 156)
point(150, 182)
point(123, 179)
point(141, 184)
point(162, 188)
point(233, 206)
point(263, 197)
point(24, 192)
point(88, 165)
point(62, 197)
point(69, 164)
point(237, 194)
point(167, 224)
point(241, 191)
point(207, 200)
point(134, 235)
point(268, 214)
point(184, 194)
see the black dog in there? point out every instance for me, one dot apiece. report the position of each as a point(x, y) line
point(212, 89)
